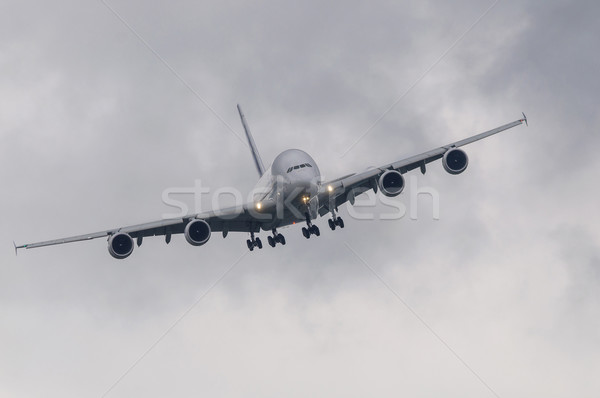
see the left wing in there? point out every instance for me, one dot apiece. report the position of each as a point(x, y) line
point(336, 192)
point(240, 218)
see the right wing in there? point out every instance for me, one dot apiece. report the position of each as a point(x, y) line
point(336, 192)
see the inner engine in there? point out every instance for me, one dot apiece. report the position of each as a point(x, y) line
point(455, 161)
point(391, 183)
point(120, 245)
point(197, 232)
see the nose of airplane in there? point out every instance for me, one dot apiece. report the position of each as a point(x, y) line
point(302, 187)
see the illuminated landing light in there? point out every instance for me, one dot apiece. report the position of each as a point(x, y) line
point(329, 188)
point(258, 206)
point(305, 199)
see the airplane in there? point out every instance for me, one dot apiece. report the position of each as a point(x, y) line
point(290, 191)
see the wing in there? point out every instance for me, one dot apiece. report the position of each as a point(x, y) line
point(240, 218)
point(336, 192)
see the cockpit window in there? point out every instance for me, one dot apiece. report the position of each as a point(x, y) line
point(301, 166)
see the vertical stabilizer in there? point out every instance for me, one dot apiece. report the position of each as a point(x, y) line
point(257, 160)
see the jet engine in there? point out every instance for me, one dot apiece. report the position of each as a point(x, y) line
point(120, 245)
point(197, 232)
point(455, 161)
point(391, 183)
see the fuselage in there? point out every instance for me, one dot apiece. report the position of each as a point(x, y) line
point(292, 180)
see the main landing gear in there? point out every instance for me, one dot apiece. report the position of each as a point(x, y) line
point(254, 242)
point(335, 221)
point(310, 229)
point(276, 238)
point(273, 240)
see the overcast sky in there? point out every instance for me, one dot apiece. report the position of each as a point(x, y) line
point(498, 296)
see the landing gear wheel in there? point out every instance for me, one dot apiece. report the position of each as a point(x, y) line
point(315, 230)
point(271, 241)
point(305, 232)
point(259, 243)
point(250, 244)
point(340, 222)
point(331, 224)
point(281, 239)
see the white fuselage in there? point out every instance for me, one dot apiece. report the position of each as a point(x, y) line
point(292, 181)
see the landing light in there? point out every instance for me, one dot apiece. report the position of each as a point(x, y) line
point(329, 188)
point(258, 205)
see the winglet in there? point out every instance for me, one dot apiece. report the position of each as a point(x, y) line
point(18, 247)
point(525, 119)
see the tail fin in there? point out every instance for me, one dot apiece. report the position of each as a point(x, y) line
point(257, 160)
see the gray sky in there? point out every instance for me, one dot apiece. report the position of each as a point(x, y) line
point(94, 127)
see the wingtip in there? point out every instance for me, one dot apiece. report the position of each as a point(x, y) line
point(17, 247)
point(525, 119)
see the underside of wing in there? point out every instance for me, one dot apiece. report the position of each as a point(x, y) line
point(196, 228)
point(389, 178)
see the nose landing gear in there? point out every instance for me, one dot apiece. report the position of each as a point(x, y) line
point(310, 229)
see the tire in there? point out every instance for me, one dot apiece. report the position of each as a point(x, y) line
point(281, 239)
point(306, 233)
point(250, 245)
point(259, 243)
point(331, 224)
point(340, 222)
point(316, 230)
point(271, 241)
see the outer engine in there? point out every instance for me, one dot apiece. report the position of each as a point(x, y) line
point(391, 183)
point(197, 232)
point(455, 161)
point(120, 245)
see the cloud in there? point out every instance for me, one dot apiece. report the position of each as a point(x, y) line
point(95, 127)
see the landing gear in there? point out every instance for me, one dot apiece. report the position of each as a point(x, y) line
point(280, 238)
point(335, 221)
point(276, 238)
point(310, 229)
point(253, 242)
point(315, 230)
point(305, 232)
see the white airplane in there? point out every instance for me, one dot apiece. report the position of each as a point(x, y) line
point(289, 191)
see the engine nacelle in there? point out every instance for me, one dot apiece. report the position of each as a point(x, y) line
point(455, 161)
point(120, 245)
point(391, 183)
point(197, 232)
